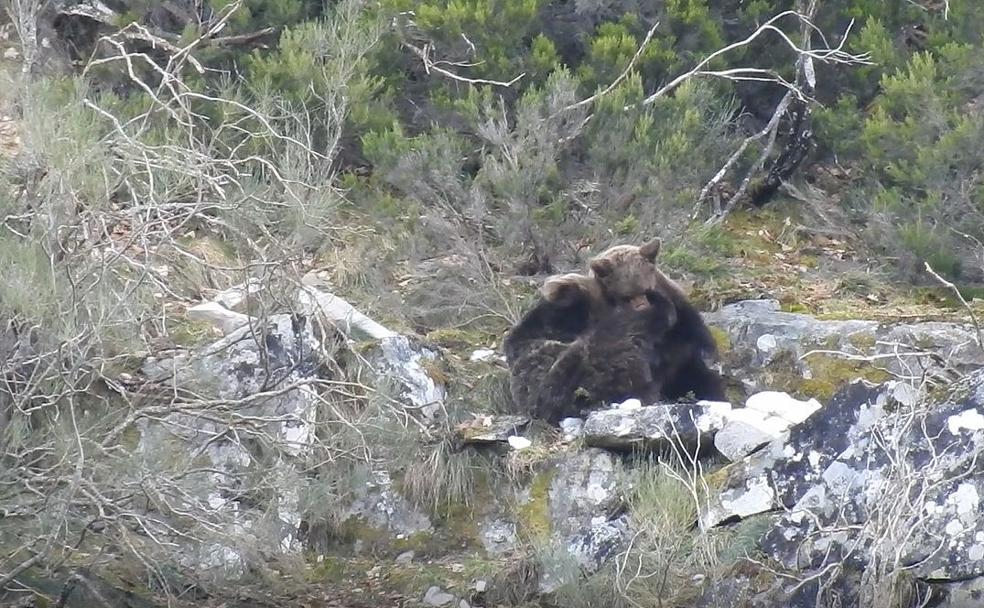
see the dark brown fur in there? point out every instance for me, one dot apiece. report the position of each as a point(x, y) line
point(626, 330)
point(679, 365)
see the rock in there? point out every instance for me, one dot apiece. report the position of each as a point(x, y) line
point(490, 429)
point(781, 405)
point(498, 535)
point(910, 486)
point(628, 404)
point(767, 349)
point(782, 472)
point(235, 297)
point(404, 558)
point(657, 427)
point(765, 417)
point(743, 432)
point(482, 354)
point(435, 596)
point(584, 487)
point(236, 368)
point(958, 594)
point(379, 507)
point(584, 497)
point(315, 301)
point(519, 443)
point(400, 359)
point(219, 317)
point(572, 428)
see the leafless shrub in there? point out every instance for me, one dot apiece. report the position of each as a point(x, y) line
point(105, 207)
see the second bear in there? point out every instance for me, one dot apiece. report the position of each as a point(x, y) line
point(625, 331)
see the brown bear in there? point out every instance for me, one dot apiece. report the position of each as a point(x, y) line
point(679, 367)
point(627, 330)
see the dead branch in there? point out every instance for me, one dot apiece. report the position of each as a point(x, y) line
point(963, 301)
point(430, 65)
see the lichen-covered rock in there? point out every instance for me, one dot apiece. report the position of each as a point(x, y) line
point(782, 472)
point(573, 507)
point(689, 426)
point(400, 359)
point(767, 349)
point(380, 508)
point(264, 368)
point(908, 488)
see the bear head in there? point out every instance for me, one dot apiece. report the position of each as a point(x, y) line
point(628, 274)
point(572, 288)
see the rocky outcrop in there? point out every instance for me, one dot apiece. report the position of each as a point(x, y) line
point(767, 349)
point(809, 453)
point(267, 376)
point(781, 473)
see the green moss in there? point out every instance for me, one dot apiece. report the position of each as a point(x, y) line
point(830, 373)
point(190, 333)
point(459, 339)
point(795, 307)
point(330, 569)
point(862, 341)
point(534, 516)
point(358, 529)
point(721, 339)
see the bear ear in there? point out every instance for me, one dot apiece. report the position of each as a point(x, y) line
point(651, 249)
point(560, 290)
point(602, 267)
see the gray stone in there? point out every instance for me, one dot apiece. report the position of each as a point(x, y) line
point(910, 487)
point(959, 594)
point(271, 357)
point(435, 596)
point(759, 334)
point(380, 507)
point(585, 496)
point(498, 535)
point(572, 428)
point(690, 426)
point(782, 472)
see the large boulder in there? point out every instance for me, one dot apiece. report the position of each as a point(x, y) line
point(768, 349)
point(909, 488)
point(782, 472)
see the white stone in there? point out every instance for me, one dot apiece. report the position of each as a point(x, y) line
point(968, 419)
point(437, 597)
point(783, 405)
point(482, 354)
point(954, 527)
point(766, 343)
point(738, 439)
point(628, 404)
point(519, 443)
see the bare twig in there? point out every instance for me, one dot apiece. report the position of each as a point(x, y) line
point(963, 301)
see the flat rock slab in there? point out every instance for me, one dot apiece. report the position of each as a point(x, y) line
point(782, 472)
point(663, 426)
point(490, 429)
